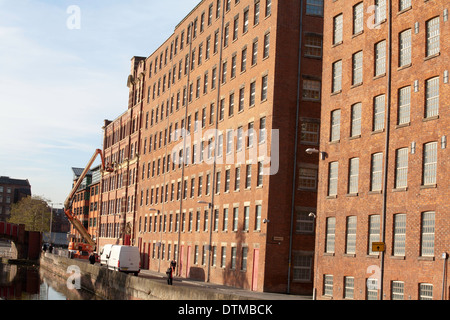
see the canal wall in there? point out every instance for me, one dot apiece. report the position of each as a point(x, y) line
point(113, 285)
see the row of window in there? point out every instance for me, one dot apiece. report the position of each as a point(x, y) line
point(380, 52)
point(397, 289)
point(429, 170)
point(431, 110)
point(179, 42)
point(398, 245)
point(199, 221)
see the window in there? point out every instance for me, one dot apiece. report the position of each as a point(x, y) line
point(427, 236)
point(254, 52)
point(356, 120)
point(237, 178)
point(304, 222)
point(380, 11)
point(337, 77)
point(302, 265)
point(404, 4)
point(335, 125)
point(307, 178)
point(268, 7)
point(248, 176)
point(264, 87)
point(314, 7)
point(399, 235)
point(259, 178)
point(252, 94)
point(397, 290)
point(432, 37)
point(380, 58)
point(357, 62)
point(235, 218)
point(404, 105)
point(376, 172)
point(246, 218)
point(256, 13)
point(353, 178)
point(330, 235)
point(337, 29)
point(262, 130)
point(224, 257)
point(310, 132)
point(429, 163)
point(332, 178)
point(404, 58)
point(358, 18)
point(350, 246)
point(311, 90)
point(313, 45)
point(258, 217)
point(245, 26)
point(425, 291)
point(374, 231)
point(432, 98)
point(328, 285)
point(378, 113)
point(266, 45)
point(349, 284)
point(244, 258)
point(244, 60)
point(401, 168)
point(225, 220)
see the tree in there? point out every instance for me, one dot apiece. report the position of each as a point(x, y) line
point(33, 212)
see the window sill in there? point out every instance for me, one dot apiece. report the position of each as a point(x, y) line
point(429, 186)
point(402, 189)
point(432, 56)
point(430, 118)
point(406, 66)
point(403, 125)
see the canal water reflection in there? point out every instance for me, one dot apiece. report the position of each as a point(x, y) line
point(34, 283)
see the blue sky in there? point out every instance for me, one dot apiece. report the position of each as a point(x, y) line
point(58, 84)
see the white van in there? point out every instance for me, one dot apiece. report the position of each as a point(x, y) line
point(104, 254)
point(124, 259)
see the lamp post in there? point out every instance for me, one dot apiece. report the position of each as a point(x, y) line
point(160, 230)
point(210, 235)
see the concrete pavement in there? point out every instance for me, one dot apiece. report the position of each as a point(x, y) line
point(239, 293)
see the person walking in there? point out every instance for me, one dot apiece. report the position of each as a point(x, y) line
point(169, 273)
point(92, 258)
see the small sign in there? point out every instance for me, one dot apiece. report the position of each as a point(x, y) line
point(377, 246)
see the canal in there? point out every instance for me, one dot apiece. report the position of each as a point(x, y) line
point(18, 282)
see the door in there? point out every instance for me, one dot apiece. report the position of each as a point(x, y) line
point(255, 270)
point(188, 261)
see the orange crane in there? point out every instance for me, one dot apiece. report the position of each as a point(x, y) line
point(89, 245)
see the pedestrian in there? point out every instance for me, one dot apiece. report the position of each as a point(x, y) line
point(50, 248)
point(169, 273)
point(92, 258)
point(44, 247)
point(173, 264)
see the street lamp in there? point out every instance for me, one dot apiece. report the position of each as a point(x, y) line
point(160, 230)
point(323, 154)
point(210, 236)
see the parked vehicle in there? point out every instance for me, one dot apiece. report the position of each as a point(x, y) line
point(125, 259)
point(104, 254)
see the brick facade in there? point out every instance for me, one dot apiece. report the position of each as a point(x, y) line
point(407, 269)
point(256, 235)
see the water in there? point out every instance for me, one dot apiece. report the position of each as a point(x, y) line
point(34, 283)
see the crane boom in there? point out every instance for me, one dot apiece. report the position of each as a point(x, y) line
point(68, 203)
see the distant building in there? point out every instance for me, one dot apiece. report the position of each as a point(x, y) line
point(12, 191)
point(85, 203)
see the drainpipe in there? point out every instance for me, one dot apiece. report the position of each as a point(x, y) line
point(386, 150)
point(213, 189)
point(295, 146)
point(191, 39)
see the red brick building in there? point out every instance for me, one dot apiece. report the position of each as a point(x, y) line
point(12, 191)
point(385, 121)
point(210, 168)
